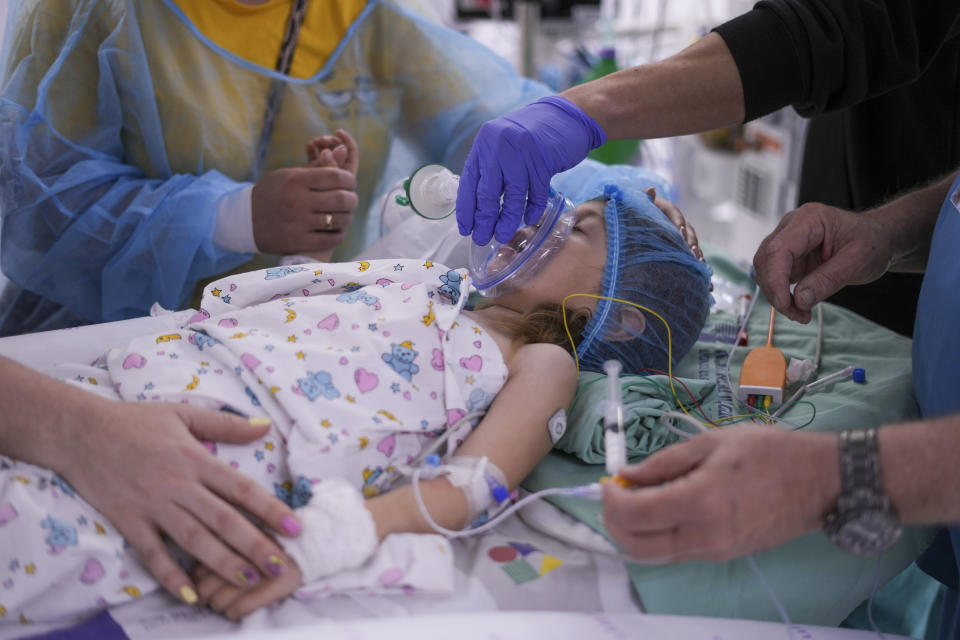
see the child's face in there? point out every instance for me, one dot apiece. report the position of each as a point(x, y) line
point(577, 267)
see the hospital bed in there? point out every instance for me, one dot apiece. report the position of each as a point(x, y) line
point(549, 570)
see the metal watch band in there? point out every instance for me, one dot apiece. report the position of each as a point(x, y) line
point(859, 461)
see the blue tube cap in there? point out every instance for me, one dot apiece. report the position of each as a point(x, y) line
point(501, 494)
point(859, 375)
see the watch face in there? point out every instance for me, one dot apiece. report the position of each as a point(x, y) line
point(867, 532)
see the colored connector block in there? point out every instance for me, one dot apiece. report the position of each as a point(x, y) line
point(764, 372)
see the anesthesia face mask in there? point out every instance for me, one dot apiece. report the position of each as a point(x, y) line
point(498, 267)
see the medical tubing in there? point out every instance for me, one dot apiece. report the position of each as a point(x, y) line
point(812, 385)
point(873, 592)
point(733, 348)
point(772, 595)
point(592, 490)
point(753, 564)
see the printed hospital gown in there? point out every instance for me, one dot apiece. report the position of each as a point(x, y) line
point(361, 366)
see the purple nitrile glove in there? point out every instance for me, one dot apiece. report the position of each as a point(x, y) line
point(515, 156)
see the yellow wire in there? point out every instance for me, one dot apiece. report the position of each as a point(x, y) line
point(576, 359)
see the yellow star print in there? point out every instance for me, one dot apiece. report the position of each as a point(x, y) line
point(470, 380)
point(30, 569)
point(216, 292)
point(301, 355)
point(351, 399)
point(291, 338)
point(477, 330)
point(318, 272)
point(268, 446)
point(325, 423)
point(428, 264)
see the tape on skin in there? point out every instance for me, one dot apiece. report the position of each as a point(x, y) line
point(482, 482)
point(557, 425)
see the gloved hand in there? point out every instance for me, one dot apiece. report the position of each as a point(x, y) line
point(515, 156)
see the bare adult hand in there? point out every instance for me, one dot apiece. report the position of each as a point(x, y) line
point(303, 209)
point(680, 222)
point(723, 494)
point(143, 467)
point(822, 249)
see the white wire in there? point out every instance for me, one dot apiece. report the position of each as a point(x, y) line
point(873, 592)
point(772, 595)
point(726, 370)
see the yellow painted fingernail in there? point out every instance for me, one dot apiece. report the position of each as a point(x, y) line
point(188, 594)
point(260, 421)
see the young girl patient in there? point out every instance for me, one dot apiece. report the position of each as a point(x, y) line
point(363, 368)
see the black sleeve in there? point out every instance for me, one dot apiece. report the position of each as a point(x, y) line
point(823, 55)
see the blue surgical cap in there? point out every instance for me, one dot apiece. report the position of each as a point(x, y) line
point(648, 263)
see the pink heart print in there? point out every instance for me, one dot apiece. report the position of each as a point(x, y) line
point(329, 323)
point(366, 380)
point(250, 361)
point(473, 363)
point(437, 360)
point(228, 322)
point(92, 571)
point(454, 414)
point(134, 361)
point(387, 445)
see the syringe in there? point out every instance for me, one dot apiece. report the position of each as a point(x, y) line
point(614, 439)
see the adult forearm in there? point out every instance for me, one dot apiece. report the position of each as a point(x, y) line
point(909, 221)
point(37, 412)
point(695, 90)
point(920, 470)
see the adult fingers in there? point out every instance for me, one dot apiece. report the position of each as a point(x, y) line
point(324, 178)
point(221, 426)
point(667, 463)
point(197, 539)
point(514, 199)
point(352, 161)
point(156, 557)
point(257, 550)
point(676, 544)
point(676, 216)
point(237, 488)
point(333, 201)
point(489, 190)
point(467, 194)
point(778, 254)
point(536, 200)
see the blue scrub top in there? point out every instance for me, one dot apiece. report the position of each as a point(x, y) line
point(936, 354)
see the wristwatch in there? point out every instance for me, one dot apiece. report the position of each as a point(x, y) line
point(863, 521)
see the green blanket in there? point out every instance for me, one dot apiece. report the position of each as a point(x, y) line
point(817, 583)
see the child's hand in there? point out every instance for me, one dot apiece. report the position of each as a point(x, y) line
point(676, 217)
point(338, 150)
point(235, 603)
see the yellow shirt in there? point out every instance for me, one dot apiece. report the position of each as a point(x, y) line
point(255, 32)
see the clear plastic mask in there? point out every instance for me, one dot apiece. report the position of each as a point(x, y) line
point(501, 267)
point(498, 267)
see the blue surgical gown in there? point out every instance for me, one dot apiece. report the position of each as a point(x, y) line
point(936, 370)
point(121, 125)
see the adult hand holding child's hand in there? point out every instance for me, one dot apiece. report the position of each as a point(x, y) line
point(307, 209)
point(144, 468)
